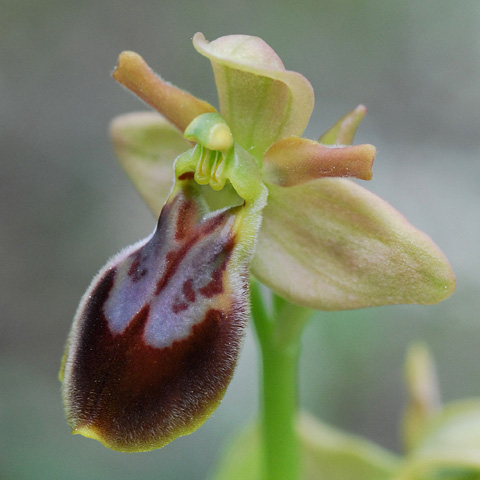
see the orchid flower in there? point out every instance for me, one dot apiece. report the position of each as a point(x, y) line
point(156, 336)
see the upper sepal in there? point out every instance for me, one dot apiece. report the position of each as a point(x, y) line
point(330, 244)
point(259, 99)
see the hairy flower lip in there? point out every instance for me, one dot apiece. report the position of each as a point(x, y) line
point(156, 336)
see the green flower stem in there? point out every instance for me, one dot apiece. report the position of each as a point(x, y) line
point(279, 331)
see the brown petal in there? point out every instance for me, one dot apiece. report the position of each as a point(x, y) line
point(156, 337)
point(176, 105)
point(293, 160)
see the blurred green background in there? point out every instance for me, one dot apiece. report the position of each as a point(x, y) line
point(66, 206)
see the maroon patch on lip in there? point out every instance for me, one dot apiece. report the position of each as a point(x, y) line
point(136, 272)
point(188, 291)
point(195, 234)
point(186, 218)
point(134, 394)
point(186, 176)
point(179, 307)
point(215, 285)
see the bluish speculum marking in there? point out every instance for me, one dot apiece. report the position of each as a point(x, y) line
point(156, 337)
point(177, 273)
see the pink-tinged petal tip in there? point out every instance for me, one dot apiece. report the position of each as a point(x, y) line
point(178, 106)
point(293, 160)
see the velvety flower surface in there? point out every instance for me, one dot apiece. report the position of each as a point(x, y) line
point(159, 309)
point(156, 336)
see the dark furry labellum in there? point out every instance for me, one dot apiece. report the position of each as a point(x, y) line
point(157, 334)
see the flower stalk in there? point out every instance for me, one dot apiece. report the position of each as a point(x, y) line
point(279, 334)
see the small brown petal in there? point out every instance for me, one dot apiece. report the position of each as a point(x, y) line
point(156, 337)
point(176, 105)
point(293, 160)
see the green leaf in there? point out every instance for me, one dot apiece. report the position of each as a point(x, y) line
point(327, 454)
point(259, 99)
point(146, 146)
point(330, 244)
point(450, 445)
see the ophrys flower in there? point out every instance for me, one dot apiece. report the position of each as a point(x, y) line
point(157, 334)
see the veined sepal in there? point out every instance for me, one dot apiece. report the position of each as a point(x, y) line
point(260, 100)
point(156, 337)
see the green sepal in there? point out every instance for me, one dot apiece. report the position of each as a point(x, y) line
point(343, 132)
point(145, 144)
point(330, 244)
point(260, 100)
